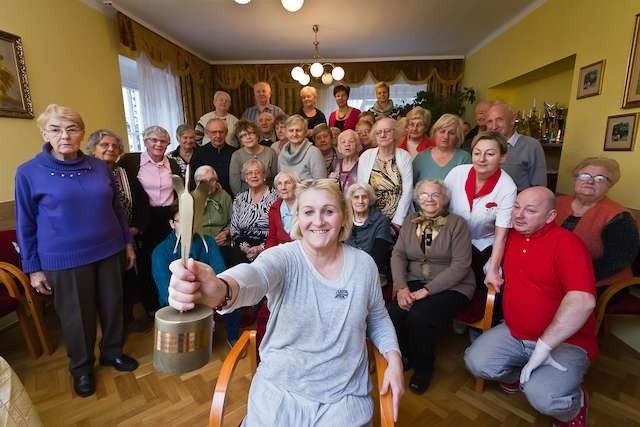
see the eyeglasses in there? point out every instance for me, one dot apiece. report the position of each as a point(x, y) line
point(57, 132)
point(381, 132)
point(246, 134)
point(214, 132)
point(157, 141)
point(427, 196)
point(106, 146)
point(599, 179)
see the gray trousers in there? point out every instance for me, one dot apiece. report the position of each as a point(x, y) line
point(497, 355)
point(78, 295)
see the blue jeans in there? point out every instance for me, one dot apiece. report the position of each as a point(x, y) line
point(497, 355)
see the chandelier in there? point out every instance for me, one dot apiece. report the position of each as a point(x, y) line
point(325, 71)
point(290, 5)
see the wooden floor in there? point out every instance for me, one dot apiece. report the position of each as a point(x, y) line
point(145, 397)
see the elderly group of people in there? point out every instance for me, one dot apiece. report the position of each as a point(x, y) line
point(437, 221)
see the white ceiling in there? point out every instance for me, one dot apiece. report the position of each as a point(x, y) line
point(222, 31)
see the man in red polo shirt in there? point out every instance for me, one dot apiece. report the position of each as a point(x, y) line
point(547, 340)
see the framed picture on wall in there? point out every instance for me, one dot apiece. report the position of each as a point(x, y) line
point(621, 132)
point(590, 80)
point(632, 85)
point(15, 98)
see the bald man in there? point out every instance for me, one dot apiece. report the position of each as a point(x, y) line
point(262, 97)
point(525, 161)
point(547, 340)
point(480, 116)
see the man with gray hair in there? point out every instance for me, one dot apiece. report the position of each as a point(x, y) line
point(217, 153)
point(547, 340)
point(221, 104)
point(525, 161)
point(262, 95)
point(480, 116)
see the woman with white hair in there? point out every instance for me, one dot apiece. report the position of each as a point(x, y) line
point(153, 169)
point(388, 170)
point(73, 237)
point(221, 104)
point(311, 114)
point(431, 265)
point(345, 168)
point(416, 139)
point(298, 154)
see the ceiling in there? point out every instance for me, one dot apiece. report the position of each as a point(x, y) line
point(222, 31)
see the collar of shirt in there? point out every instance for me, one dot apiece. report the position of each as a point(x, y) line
point(538, 233)
point(144, 159)
point(514, 138)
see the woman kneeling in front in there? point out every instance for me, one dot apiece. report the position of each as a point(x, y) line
point(324, 299)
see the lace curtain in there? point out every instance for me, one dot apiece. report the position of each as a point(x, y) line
point(160, 97)
point(194, 74)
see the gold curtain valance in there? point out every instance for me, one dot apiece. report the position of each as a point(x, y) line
point(195, 74)
point(443, 77)
point(444, 72)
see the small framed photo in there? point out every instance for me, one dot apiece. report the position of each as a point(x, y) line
point(591, 76)
point(632, 85)
point(621, 132)
point(15, 97)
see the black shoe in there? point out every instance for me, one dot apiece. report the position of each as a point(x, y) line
point(419, 383)
point(121, 363)
point(84, 385)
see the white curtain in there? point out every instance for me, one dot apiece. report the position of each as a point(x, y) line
point(160, 98)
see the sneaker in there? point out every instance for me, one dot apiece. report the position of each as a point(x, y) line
point(510, 388)
point(579, 420)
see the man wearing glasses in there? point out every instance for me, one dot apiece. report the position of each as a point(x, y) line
point(217, 153)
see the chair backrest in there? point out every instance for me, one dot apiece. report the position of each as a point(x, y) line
point(8, 246)
point(247, 343)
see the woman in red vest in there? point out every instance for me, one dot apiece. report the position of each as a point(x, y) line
point(606, 227)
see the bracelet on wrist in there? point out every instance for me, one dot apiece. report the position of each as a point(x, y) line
point(227, 296)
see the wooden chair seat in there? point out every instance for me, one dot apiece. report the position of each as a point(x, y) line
point(479, 314)
point(246, 345)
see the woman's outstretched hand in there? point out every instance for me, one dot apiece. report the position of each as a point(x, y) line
point(195, 284)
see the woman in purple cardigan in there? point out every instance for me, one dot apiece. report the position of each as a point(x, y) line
point(76, 254)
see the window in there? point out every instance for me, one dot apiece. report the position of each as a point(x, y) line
point(363, 95)
point(151, 96)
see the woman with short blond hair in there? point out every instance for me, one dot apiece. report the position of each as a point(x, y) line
point(313, 116)
point(417, 128)
point(436, 162)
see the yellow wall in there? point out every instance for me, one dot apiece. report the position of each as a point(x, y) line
point(592, 30)
point(71, 53)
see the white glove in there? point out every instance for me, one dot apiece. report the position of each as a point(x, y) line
point(541, 356)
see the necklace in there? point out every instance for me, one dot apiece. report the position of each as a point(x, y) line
point(342, 115)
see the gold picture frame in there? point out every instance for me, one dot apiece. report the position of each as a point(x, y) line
point(15, 97)
point(632, 85)
point(620, 134)
point(590, 79)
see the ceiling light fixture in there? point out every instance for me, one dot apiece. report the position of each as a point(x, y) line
point(292, 5)
point(317, 68)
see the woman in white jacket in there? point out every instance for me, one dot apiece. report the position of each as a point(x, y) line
point(388, 170)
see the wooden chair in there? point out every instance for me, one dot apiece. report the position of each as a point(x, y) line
point(607, 304)
point(246, 345)
point(19, 287)
point(479, 315)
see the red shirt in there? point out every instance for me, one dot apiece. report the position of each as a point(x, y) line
point(539, 270)
point(424, 144)
point(277, 233)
